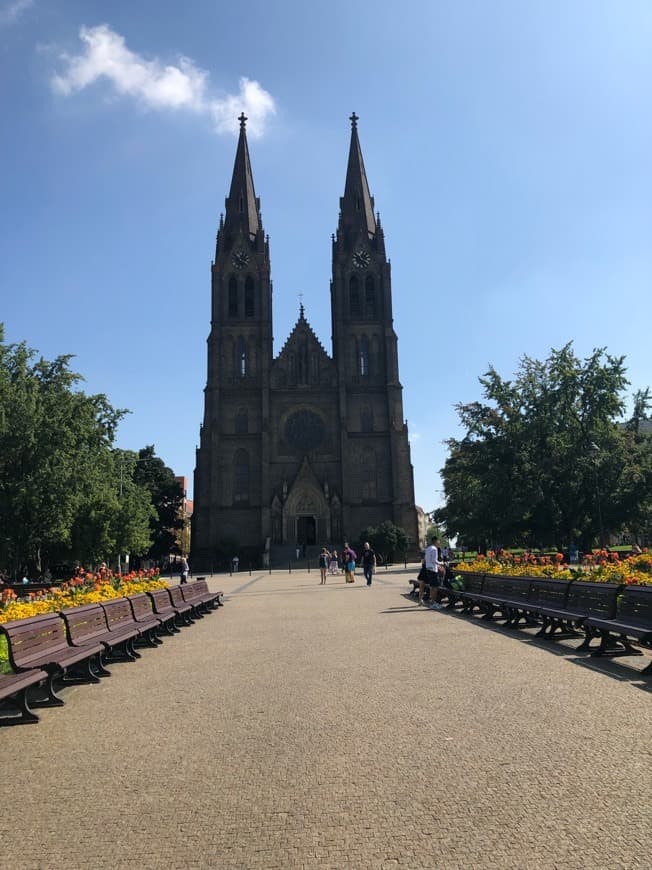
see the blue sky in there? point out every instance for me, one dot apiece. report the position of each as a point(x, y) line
point(507, 144)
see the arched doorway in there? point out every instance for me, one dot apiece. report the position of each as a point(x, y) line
point(307, 531)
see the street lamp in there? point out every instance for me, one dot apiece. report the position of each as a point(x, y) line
point(594, 450)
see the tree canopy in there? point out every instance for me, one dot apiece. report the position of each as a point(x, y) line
point(65, 492)
point(546, 458)
point(387, 539)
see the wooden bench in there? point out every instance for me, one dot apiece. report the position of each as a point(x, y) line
point(212, 599)
point(193, 597)
point(473, 585)
point(183, 609)
point(42, 642)
point(632, 619)
point(151, 624)
point(584, 600)
point(91, 623)
point(547, 596)
point(162, 608)
point(123, 628)
point(198, 592)
point(501, 594)
point(13, 689)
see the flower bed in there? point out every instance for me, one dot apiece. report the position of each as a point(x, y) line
point(90, 589)
point(600, 566)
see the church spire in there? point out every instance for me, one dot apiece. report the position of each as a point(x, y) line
point(242, 204)
point(357, 204)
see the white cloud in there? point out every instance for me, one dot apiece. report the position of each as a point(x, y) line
point(11, 12)
point(183, 86)
point(255, 102)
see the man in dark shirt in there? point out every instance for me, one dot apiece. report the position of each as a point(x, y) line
point(368, 562)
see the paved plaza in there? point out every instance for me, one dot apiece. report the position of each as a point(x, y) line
point(337, 726)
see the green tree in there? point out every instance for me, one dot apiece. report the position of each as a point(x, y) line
point(53, 440)
point(166, 523)
point(132, 523)
point(543, 458)
point(387, 539)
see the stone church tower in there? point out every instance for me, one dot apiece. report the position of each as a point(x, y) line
point(303, 448)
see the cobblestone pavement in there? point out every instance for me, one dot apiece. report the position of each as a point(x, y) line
point(337, 726)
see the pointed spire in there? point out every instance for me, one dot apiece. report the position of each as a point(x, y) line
point(357, 204)
point(242, 206)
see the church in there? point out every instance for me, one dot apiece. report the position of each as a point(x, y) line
point(305, 449)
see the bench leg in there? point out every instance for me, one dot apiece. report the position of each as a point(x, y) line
point(98, 667)
point(545, 623)
point(84, 674)
point(609, 646)
point(120, 652)
point(52, 699)
point(26, 717)
point(586, 643)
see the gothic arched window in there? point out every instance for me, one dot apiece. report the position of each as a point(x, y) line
point(364, 356)
point(233, 297)
point(370, 297)
point(240, 476)
point(368, 475)
point(354, 297)
point(249, 297)
point(241, 352)
point(242, 422)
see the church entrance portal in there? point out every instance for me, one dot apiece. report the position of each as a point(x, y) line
point(306, 530)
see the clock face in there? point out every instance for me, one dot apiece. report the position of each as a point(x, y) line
point(361, 259)
point(240, 259)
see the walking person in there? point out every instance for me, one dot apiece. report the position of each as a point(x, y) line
point(368, 563)
point(348, 557)
point(185, 568)
point(334, 565)
point(324, 559)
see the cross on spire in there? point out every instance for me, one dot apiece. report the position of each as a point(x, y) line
point(301, 304)
point(243, 120)
point(354, 120)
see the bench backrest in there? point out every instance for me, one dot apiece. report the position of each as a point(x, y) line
point(30, 639)
point(509, 588)
point(160, 600)
point(176, 596)
point(593, 599)
point(635, 606)
point(190, 593)
point(549, 593)
point(472, 582)
point(85, 623)
point(118, 613)
point(201, 586)
point(141, 605)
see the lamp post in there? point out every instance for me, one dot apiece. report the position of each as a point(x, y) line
point(594, 451)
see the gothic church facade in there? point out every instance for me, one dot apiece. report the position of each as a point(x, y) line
point(305, 448)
